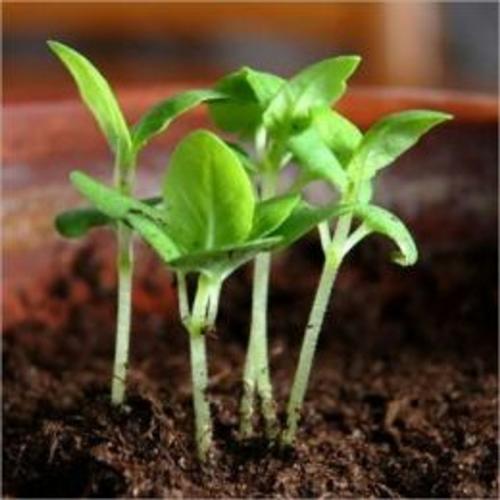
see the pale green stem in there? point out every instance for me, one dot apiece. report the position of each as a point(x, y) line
point(183, 297)
point(333, 259)
point(124, 265)
point(324, 235)
point(356, 236)
point(123, 181)
point(196, 326)
point(256, 374)
point(213, 304)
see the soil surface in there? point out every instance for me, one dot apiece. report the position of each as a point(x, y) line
point(402, 400)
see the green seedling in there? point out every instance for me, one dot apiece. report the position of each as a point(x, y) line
point(334, 150)
point(270, 110)
point(208, 223)
point(125, 143)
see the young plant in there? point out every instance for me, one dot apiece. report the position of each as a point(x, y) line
point(269, 109)
point(125, 144)
point(333, 149)
point(208, 223)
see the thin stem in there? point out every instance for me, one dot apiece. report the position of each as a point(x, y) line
point(324, 235)
point(196, 325)
point(213, 303)
point(124, 265)
point(183, 297)
point(256, 376)
point(334, 255)
point(355, 237)
point(123, 181)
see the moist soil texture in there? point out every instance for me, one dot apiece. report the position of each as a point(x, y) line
point(402, 400)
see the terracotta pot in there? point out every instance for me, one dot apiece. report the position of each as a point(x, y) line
point(448, 198)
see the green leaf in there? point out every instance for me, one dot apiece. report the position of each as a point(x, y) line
point(306, 217)
point(389, 138)
point(109, 201)
point(154, 232)
point(208, 195)
point(341, 135)
point(271, 213)
point(77, 222)
point(316, 160)
point(160, 116)
point(223, 261)
point(386, 223)
point(98, 96)
point(249, 92)
point(322, 83)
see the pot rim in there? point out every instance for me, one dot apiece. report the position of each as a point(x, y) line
point(363, 104)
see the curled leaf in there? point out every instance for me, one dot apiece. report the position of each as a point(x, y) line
point(386, 223)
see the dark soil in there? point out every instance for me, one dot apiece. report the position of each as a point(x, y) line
point(402, 401)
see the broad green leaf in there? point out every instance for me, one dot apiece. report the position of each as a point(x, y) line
point(98, 96)
point(316, 160)
point(208, 196)
point(160, 116)
point(249, 92)
point(389, 138)
point(223, 261)
point(384, 222)
point(271, 213)
point(78, 221)
point(341, 135)
point(322, 83)
point(306, 217)
point(108, 200)
point(154, 233)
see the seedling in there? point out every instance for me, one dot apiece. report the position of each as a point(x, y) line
point(332, 141)
point(208, 223)
point(125, 144)
point(270, 110)
point(220, 208)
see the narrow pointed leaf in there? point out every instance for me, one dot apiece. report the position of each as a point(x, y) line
point(389, 138)
point(108, 200)
point(341, 135)
point(248, 94)
point(98, 96)
point(208, 196)
point(270, 214)
point(78, 221)
point(386, 223)
point(316, 160)
point(322, 83)
point(306, 217)
point(154, 233)
point(160, 116)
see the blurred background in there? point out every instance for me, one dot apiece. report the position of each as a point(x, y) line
point(418, 44)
